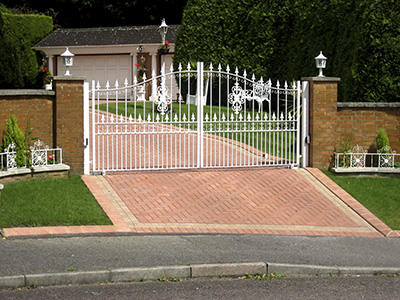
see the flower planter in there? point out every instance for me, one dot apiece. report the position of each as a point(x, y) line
point(163, 51)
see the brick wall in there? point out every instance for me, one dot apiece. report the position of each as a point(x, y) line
point(323, 120)
point(69, 120)
point(362, 122)
point(29, 106)
point(332, 122)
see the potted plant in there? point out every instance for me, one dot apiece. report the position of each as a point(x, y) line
point(164, 49)
point(47, 77)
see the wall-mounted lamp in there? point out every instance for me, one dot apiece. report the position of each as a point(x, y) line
point(140, 48)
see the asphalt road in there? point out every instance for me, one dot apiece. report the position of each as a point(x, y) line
point(29, 256)
point(286, 288)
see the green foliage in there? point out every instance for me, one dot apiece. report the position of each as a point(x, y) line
point(382, 139)
point(279, 39)
point(345, 147)
point(10, 71)
point(14, 135)
point(93, 13)
point(21, 33)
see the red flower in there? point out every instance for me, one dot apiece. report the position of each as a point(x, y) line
point(166, 43)
point(51, 157)
point(137, 65)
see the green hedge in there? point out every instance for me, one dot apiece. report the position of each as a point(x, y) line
point(20, 33)
point(280, 38)
point(10, 71)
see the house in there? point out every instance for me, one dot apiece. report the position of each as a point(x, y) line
point(109, 53)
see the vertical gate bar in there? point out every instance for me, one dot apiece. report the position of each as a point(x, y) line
point(298, 123)
point(150, 153)
point(158, 147)
point(135, 141)
point(286, 128)
point(140, 145)
point(153, 142)
point(94, 126)
point(162, 143)
point(108, 126)
point(200, 109)
point(305, 123)
point(180, 117)
point(86, 134)
point(103, 143)
point(130, 143)
point(116, 125)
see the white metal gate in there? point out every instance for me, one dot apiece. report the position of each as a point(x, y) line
point(195, 118)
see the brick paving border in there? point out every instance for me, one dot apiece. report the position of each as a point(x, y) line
point(353, 204)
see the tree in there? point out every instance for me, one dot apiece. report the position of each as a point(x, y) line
point(95, 13)
point(279, 39)
point(10, 71)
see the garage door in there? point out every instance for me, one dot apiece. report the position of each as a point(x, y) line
point(100, 68)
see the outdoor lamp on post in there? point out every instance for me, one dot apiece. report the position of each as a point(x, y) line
point(320, 62)
point(163, 30)
point(68, 60)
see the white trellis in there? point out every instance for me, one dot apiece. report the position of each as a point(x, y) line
point(39, 155)
point(358, 158)
point(42, 155)
point(11, 156)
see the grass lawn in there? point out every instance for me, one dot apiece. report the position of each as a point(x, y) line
point(380, 195)
point(50, 202)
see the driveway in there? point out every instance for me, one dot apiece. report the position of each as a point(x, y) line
point(242, 201)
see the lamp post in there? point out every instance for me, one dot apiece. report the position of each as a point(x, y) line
point(163, 30)
point(68, 60)
point(320, 62)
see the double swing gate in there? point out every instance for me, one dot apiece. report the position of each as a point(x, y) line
point(195, 118)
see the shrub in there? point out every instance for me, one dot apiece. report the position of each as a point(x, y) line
point(10, 71)
point(14, 135)
point(22, 32)
point(382, 139)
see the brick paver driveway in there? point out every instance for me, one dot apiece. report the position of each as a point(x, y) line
point(251, 200)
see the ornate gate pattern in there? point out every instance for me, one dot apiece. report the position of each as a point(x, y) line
point(195, 118)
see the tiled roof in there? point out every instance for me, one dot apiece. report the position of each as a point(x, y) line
point(107, 36)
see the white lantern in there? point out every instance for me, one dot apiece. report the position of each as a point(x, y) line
point(68, 60)
point(320, 62)
point(163, 30)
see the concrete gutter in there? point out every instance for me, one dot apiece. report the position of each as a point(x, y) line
point(196, 271)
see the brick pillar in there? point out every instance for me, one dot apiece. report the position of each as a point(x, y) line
point(323, 120)
point(68, 120)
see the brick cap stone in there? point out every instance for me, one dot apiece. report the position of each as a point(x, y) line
point(323, 79)
point(26, 92)
point(70, 78)
point(369, 104)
